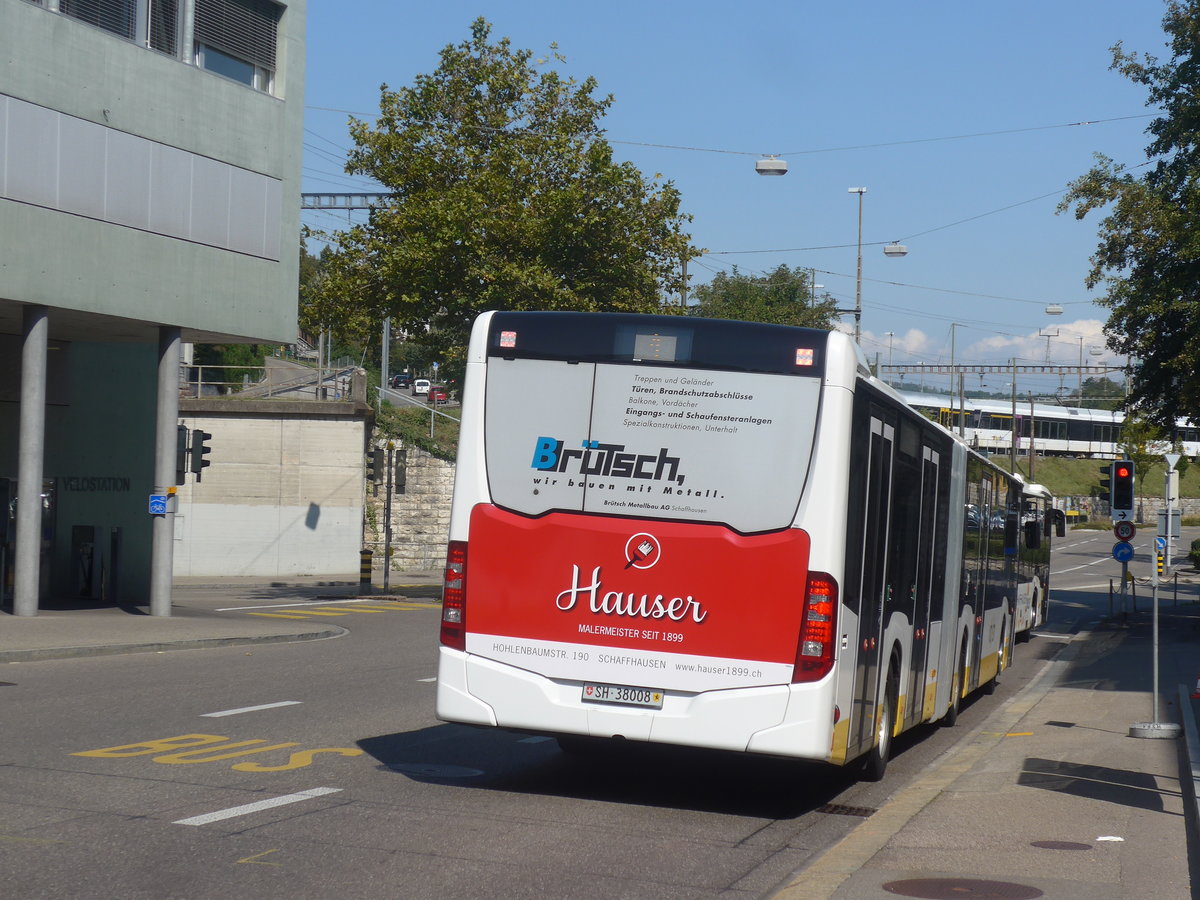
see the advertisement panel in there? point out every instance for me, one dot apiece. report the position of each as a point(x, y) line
point(664, 605)
point(671, 443)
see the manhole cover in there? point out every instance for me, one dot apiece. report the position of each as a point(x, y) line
point(951, 888)
point(1060, 845)
point(431, 770)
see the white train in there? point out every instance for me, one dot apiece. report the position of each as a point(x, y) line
point(987, 425)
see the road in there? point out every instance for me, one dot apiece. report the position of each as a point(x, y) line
point(317, 770)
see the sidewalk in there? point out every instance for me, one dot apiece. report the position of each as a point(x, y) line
point(200, 617)
point(1050, 796)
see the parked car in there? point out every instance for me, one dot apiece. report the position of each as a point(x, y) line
point(420, 386)
point(438, 394)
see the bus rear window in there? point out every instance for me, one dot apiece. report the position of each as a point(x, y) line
point(715, 344)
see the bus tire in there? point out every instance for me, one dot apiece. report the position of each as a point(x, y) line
point(990, 687)
point(875, 762)
point(1023, 636)
point(956, 688)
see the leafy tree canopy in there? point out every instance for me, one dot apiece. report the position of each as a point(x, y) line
point(1148, 259)
point(782, 297)
point(1144, 443)
point(504, 195)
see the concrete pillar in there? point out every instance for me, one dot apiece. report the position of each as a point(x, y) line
point(162, 550)
point(30, 454)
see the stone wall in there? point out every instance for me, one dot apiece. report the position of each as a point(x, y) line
point(420, 516)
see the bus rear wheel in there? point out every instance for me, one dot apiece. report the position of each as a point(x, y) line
point(876, 760)
point(956, 688)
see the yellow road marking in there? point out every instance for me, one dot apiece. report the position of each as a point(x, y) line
point(257, 858)
point(275, 615)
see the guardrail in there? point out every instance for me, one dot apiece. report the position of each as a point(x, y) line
point(291, 382)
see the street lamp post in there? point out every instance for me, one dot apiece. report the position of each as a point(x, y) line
point(858, 277)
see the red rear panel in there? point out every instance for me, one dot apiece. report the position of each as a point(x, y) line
point(652, 603)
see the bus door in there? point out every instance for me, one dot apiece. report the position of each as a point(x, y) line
point(873, 579)
point(928, 541)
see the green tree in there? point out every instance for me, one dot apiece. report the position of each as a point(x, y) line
point(1144, 442)
point(782, 297)
point(1148, 259)
point(1102, 393)
point(504, 195)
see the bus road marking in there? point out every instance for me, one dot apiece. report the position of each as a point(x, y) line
point(257, 858)
point(244, 810)
point(246, 709)
point(337, 608)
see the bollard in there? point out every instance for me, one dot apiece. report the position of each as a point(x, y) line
point(364, 572)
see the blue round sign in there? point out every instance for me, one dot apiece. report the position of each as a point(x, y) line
point(1122, 551)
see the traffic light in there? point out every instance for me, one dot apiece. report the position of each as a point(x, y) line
point(181, 453)
point(200, 449)
point(1106, 482)
point(1122, 485)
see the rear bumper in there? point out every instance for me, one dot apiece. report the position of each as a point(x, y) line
point(780, 720)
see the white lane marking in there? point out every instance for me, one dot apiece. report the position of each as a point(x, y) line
point(246, 709)
point(1094, 562)
point(235, 811)
point(427, 680)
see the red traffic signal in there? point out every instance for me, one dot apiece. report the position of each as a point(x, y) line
point(1122, 486)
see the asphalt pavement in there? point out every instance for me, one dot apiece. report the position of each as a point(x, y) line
point(1051, 796)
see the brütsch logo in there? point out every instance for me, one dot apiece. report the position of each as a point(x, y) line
point(607, 460)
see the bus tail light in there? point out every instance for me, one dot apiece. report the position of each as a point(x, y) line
point(818, 627)
point(454, 597)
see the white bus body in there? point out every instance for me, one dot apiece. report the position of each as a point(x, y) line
point(714, 534)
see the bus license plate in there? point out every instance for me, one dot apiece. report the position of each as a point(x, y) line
point(622, 695)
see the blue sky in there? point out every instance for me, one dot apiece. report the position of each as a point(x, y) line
point(944, 110)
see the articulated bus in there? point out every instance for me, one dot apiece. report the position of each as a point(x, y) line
point(724, 535)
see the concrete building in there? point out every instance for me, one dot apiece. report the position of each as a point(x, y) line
point(149, 196)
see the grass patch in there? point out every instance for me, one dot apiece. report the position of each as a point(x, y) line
point(411, 425)
point(1081, 477)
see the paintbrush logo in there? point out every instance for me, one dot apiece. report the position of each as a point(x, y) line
point(642, 551)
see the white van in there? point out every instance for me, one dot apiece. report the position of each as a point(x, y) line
point(420, 386)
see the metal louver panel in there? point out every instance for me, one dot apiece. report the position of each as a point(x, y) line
point(116, 16)
point(164, 25)
point(245, 29)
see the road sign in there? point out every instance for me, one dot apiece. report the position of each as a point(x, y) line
point(1122, 551)
point(1160, 544)
point(1124, 530)
point(158, 504)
